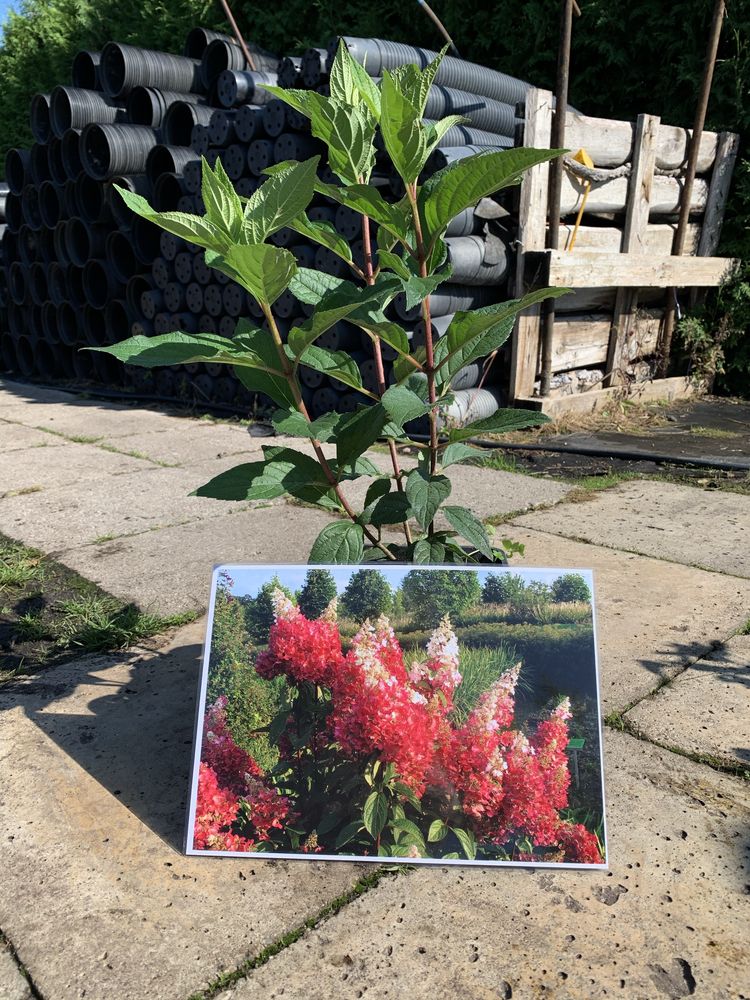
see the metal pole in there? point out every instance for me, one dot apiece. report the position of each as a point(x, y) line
point(238, 35)
point(678, 243)
point(439, 25)
point(556, 176)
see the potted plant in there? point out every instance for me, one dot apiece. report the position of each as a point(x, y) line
point(411, 260)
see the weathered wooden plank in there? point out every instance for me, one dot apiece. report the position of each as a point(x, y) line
point(532, 226)
point(582, 340)
point(633, 239)
point(718, 190)
point(593, 400)
point(612, 196)
point(590, 269)
point(658, 239)
point(610, 143)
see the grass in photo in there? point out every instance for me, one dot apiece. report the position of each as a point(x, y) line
point(424, 715)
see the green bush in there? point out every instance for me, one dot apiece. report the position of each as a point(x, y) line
point(431, 594)
point(480, 667)
point(317, 592)
point(570, 587)
point(367, 595)
point(259, 610)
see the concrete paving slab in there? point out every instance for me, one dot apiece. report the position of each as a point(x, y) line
point(706, 709)
point(12, 393)
point(96, 895)
point(91, 419)
point(668, 920)
point(152, 497)
point(16, 437)
point(68, 465)
point(652, 617)
point(193, 442)
point(13, 984)
point(705, 528)
point(169, 571)
point(490, 491)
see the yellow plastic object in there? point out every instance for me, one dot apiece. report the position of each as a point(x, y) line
point(582, 157)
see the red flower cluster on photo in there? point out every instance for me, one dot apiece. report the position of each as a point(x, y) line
point(231, 791)
point(507, 786)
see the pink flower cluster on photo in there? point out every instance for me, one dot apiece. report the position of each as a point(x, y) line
point(508, 785)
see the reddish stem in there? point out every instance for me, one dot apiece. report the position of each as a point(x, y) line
point(379, 367)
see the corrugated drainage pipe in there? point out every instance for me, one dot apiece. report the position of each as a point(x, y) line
point(84, 72)
point(55, 161)
point(41, 128)
point(91, 199)
point(71, 107)
point(178, 122)
point(224, 54)
point(168, 160)
point(198, 40)
point(108, 150)
point(235, 87)
point(71, 153)
point(49, 204)
point(123, 67)
point(17, 169)
point(39, 164)
point(148, 106)
point(376, 54)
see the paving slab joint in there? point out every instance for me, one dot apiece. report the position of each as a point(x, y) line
point(8, 946)
point(363, 885)
point(617, 720)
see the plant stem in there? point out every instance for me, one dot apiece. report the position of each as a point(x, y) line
point(429, 367)
point(317, 447)
point(380, 370)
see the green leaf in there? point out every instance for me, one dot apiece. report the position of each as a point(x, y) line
point(322, 233)
point(275, 387)
point(283, 471)
point(223, 206)
point(347, 131)
point(467, 841)
point(175, 349)
point(395, 218)
point(192, 228)
point(347, 301)
point(291, 422)
point(367, 88)
point(464, 182)
point(425, 494)
point(436, 131)
point(458, 453)
point(453, 856)
point(469, 527)
point(501, 422)
point(335, 364)
point(429, 551)
point(403, 404)
point(310, 286)
point(358, 432)
point(409, 794)
point(377, 489)
point(341, 79)
point(479, 332)
point(404, 136)
point(375, 813)
point(264, 270)
point(438, 830)
point(348, 833)
point(339, 542)
point(393, 508)
point(409, 833)
point(280, 200)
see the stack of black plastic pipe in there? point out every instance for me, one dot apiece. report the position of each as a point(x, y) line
point(78, 268)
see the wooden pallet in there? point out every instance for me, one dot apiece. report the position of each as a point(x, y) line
point(642, 262)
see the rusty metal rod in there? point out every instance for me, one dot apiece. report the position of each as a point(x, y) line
point(557, 141)
point(678, 243)
point(238, 35)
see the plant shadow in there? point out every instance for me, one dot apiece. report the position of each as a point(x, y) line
point(128, 720)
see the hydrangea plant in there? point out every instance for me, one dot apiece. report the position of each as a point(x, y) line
point(411, 259)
